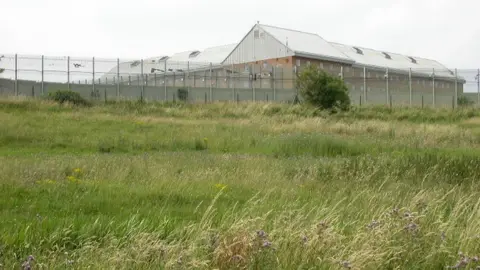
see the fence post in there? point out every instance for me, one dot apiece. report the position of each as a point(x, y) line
point(410, 86)
point(93, 75)
point(274, 85)
point(422, 101)
point(232, 78)
point(16, 75)
point(165, 80)
point(253, 83)
point(43, 69)
point(142, 88)
point(365, 84)
point(68, 73)
point(118, 79)
point(456, 88)
point(211, 96)
point(188, 81)
point(478, 88)
point(386, 85)
point(433, 87)
point(391, 103)
point(360, 100)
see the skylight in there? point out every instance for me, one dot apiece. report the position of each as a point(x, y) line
point(358, 50)
point(412, 59)
point(194, 54)
point(387, 55)
point(163, 58)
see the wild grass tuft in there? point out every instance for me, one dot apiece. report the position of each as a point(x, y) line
point(237, 186)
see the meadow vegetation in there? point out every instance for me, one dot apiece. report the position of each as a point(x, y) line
point(129, 185)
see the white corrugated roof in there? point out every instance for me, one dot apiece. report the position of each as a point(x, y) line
point(179, 62)
point(375, 58)
point(307, 44)
point(215, 55)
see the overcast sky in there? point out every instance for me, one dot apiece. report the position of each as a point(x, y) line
point(444, 30)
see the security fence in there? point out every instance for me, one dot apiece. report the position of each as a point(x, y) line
point(167, 79)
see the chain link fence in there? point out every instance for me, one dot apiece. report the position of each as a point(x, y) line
point(162, 79)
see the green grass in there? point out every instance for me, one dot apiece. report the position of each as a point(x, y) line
point(172, 186)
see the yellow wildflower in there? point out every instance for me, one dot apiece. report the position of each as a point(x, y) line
point(220, 186)
point(72, 179)
point(77, 170)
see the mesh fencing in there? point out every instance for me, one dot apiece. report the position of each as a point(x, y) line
point(163, 79)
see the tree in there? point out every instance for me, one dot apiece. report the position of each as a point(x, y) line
point(322, 90)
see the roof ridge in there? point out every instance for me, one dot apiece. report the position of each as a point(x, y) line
point(289, 29)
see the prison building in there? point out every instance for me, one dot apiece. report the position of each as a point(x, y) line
point(262, 65)
point(374, 76)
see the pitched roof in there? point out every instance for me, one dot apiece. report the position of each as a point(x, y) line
point(382, 59)
point(306, 44)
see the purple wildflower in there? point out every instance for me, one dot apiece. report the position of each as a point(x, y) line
point(261, 234)
point(346, 264)
point(266, 244)
point(26, 265)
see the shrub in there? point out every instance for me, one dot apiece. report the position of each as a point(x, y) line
point(182, 94)
point(322, 90)
point(68, 96)
point(464, 101)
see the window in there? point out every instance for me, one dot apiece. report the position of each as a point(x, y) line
point(331, 66)
point(321, 65)
point(256, 34)
point(297, 62)
point(194, 54)
point(357, 50)
point(387, 55)
point(308, 63)
point(347, 69)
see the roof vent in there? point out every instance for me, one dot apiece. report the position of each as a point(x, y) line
point(412, 59)
point(387, 55)
point(194, 54)
point(358, 50)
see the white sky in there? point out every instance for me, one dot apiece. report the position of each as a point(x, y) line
point(444, 30)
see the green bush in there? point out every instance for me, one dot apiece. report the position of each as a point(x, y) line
point(464, 101)
point(68, 97)
point(323, 90)
point(182, 94)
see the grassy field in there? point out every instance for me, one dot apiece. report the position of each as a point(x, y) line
point(237, 186)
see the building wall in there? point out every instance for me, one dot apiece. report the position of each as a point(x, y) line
point(398, 84)
point(257, 45)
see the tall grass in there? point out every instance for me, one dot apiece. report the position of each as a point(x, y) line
point(157, 186)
